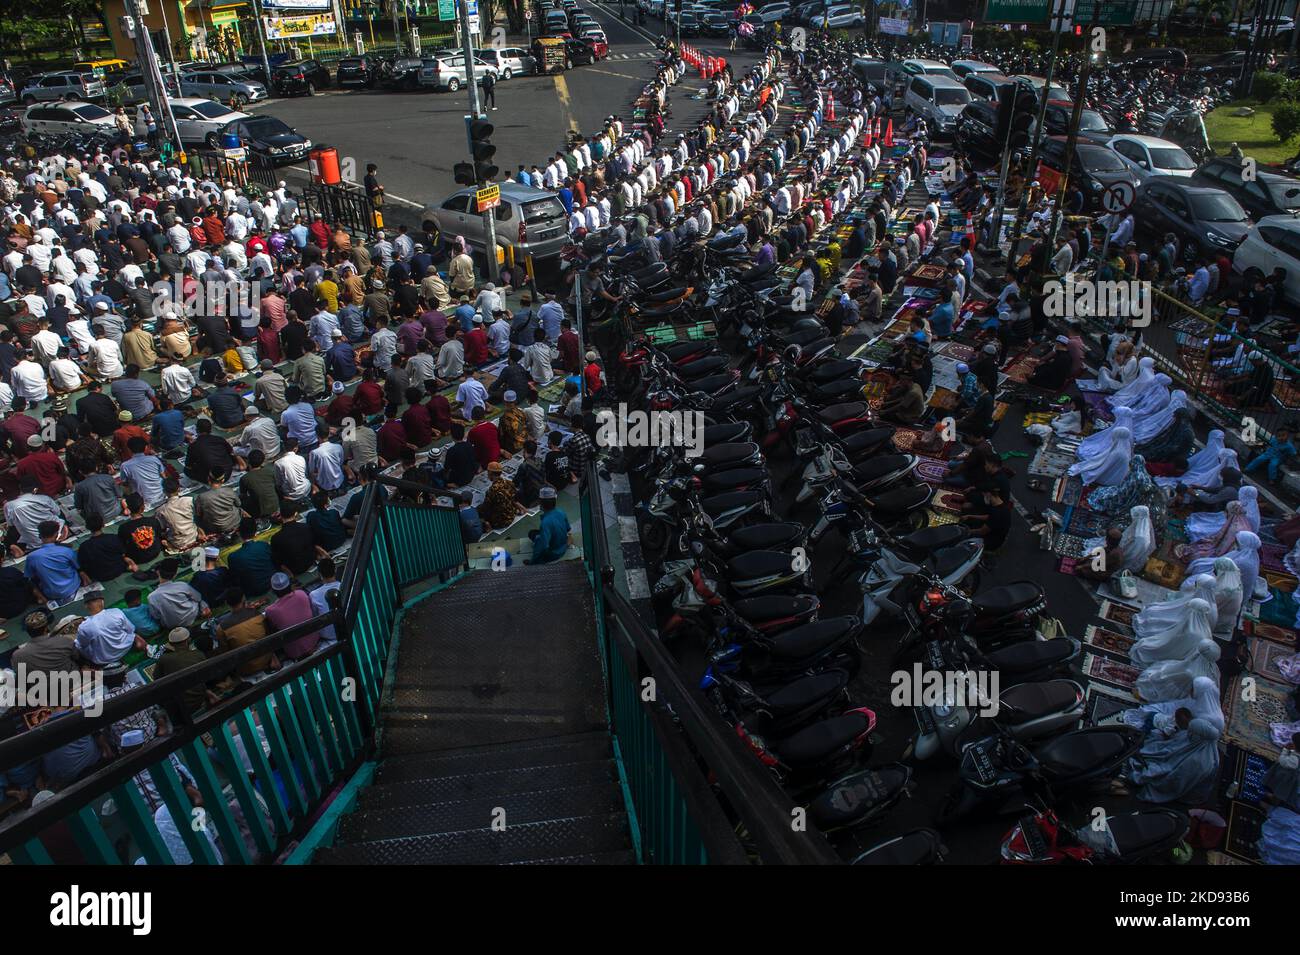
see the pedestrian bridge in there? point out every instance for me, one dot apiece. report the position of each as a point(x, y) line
point(527, 715)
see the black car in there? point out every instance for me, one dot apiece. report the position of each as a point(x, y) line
point(358, 71)
point(579, 52)
point(1165, 58)
point(689, 24)
point(1094, 166)
point(267, 136)
point(1205, 220)
point(1092, 125)
point(401, 73)
point(1268, 194)
point(300, 78)
point(715, 24)
point(977, 129)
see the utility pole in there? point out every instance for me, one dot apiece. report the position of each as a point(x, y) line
point(261, 40)
point(1038, 137)
point(397, 29)
point(152, 75)
point(1058, 214)
point(489, 216)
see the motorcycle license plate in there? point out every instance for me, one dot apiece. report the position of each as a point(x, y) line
point(983, 764)
point(924, 719)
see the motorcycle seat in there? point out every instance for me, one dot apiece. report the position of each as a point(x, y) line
point(776, 607)
point(811, 638)
point(1008, 598)
point(836, 368)
point(1146, 829)
point(1030, 701)
point(903, 500)
point(738, 398)
point(766, 536)
point(657, 270)
point(663, 311)
point(708, 365)
point(946, 560)
point(852, 797)
point(814, 743)
point(718, 504)
point(727, 432)
point(711, 383)
point(735, 478)
point(667, 295)
point(757, 273)
point(867, 442)
point(919, 847)
point(1083, 750)
point(1031, 654)
point(759, 563)
point(721, 454)
point(675, 351)
point(803, 336)
point(929, 539)
point(840, 388)
point(806, 691)
point(833, 414)
point(873, 469)
point(725, 241)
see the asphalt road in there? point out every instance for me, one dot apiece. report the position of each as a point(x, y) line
point(416, 138)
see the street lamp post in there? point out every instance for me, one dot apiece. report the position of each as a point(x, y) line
point(489, 216)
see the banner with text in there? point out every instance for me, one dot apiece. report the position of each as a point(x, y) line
point(289, 28)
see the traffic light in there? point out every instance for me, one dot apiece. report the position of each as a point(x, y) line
point(481, 150)
point(1017, 110)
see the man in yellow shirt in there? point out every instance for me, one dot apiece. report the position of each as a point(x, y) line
point(327, 291)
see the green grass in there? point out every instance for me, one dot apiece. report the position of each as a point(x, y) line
point(1254, 134)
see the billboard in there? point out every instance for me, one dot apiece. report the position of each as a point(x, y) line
point(893, 26)
point(289, 28)
point(296, 4)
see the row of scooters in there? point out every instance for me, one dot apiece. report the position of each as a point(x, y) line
point(737, 578)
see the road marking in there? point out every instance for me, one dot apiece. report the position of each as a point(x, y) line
point(612, 73)
point(388, 196)
point(566, 105)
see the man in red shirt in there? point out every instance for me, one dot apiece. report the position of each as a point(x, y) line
point(18, 427)
point(320, 232)
point(370, 394)
point(125, 432)
point(439, 408)
point(392, 436)
point(214, 233)
point(476, 343)
point(483, 436)
point(569, 347)
point(417, 421)
point(341, 407)
point(592, 374)
point(43, 466)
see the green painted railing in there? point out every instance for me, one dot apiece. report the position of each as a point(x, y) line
point(240, 781)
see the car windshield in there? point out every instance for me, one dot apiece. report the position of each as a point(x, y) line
point(1100, 159)
point(1092, 121)
point(267, 126)
point(1279, 191)
point(947, 97)
point(92, 112)
point(1217, 207)
point(538, 210)
point(1171, 157)
point(210, 110)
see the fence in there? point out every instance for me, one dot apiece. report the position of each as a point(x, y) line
point(281, 745)
point(694, 785)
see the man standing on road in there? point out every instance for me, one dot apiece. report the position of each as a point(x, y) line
point(489, 89)
point(374, 189)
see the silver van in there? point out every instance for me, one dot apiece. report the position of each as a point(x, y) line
point(510, 61)
point(531, 220)
point(938, 100)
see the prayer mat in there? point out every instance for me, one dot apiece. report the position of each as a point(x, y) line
point(1108, 643)
point(1176, 530)
point(1067, 491)
point(1114, 612)
point(904, 438)
point(1104, 707)
point(1270, 559)
point(1039, 417)
point(1068, 565)
point(1020, 369)
point(1099, 405)
point(1166, 573)
point(1070, 545)
point(944, 399)
point(928, 274)
point(938, 518)
point(1283, 636)
point(1251, 768)
point(1248, 720)
point(1264, 655)
point(1109, 672)
point(945, 500)
point(875, 352)
point(1284, 583)
point(1191, 325)
point(932, 470)
point(1086, 523)
point(957, 351)
point(1245, 822)
point(1000, 410)
point(875, 388)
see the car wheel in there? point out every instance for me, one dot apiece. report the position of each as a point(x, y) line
point(311, 88)
point(453, 85)
point(506, 74)
point(29, 99)
point(212, 140)
point(72, 97)
point(241, 99)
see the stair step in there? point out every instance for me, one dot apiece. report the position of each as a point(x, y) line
point(368, 824)
point(603, 858)
point(428, 737)
point(481, 759)
point(499, 784)
point(534, 841)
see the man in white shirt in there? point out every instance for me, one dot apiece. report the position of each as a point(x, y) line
point(28, 380)
point(105, 357)
point(326, 462)
point(291, 473)
point(471, 394)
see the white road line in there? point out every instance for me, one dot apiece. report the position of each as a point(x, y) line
point(388, 196)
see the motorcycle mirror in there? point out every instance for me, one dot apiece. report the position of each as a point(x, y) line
point(792, 353)
point(697, 548)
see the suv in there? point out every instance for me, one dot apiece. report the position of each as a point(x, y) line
point(938, 99)
point(223, 87)
point(509, 61)
point(57, 86)
point(401, 73)
point(531, 220)
point(65, 118)
point(1268, 194)
point(358, 70)
point(300, 77)
point(448, 73)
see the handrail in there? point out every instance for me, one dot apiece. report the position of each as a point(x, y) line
point(753, 794)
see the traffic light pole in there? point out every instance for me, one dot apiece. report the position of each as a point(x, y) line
point(1038, 129)
point(152, 75)
point(1058, 214)
point(489, 217)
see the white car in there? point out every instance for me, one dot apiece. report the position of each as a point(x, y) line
point(1247, 27)
point(927, 68)
point(63, 118)
point(449, 72)
point(774, 11)
point(1148, 157)
point(841, 16)
point(196, 119)
point(1273, 243)
point(965, 68)
point(510, 61)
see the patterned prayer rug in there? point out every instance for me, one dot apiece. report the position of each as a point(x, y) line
point(1068, 565)
point(1270, 558)
point(1049, 462)
point(1067, 491)
point(1086, 523)
point(1104, 706)
point(1108, 642)
point(932, 470)
point(1248, 720)
point(957, 351)
point(1244, 825)
point(1280, 610)
point(948, 501)
point(1110, 672)
point(1283, 636)
point(1070, 545)
point(1264, 655)
point(938, 518)
point(1166, 573)
point(1118, 613)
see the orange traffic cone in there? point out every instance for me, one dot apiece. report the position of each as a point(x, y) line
point(889, 134)
point(830, 106)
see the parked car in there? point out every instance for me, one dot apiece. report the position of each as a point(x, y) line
point(689, 24)
point(1247, 27)
point(774, 12)
point(301, 77)
point(401, 73)
point(841, 16)
point(915, 67)
point(1036, 83)
point(1092, 125)
point(8, 89)
point(977, 129)
point(1274, 243)
point(1165, 58)
point(510, 61)
point(965, 68)
point(1148, 157)
point(984, 86)
point(68, 85)
point(1093, 165)
point(1206, 221)
point(715, 24)
point(223, 86)
point(530, 220)
point(449, 72)
point(101, 68)
point(1228, 66)
point(361, 71)
point(938, 99)
point(65, 118)
point(266, 136)
point(198, 119)
point(1268, 194)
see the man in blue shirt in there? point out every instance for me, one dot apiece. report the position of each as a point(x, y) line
point(551, 540)
point(52, 567)
point(341, 359)
point(252, 565)
point(298, 420)
point(168, 430)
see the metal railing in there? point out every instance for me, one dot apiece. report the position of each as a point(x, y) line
point(699, 795)
point(264, 760)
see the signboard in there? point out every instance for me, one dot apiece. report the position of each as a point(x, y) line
point(1114, 13)
point(1118, 196)
point(488, 198)
point(528, 14)
point(446, 9)
point(1048, 178)
point(894, 26)
point(289, 28)
point(224, 18)
point(296, 4)
point(967, 42)
point(1020, 11)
